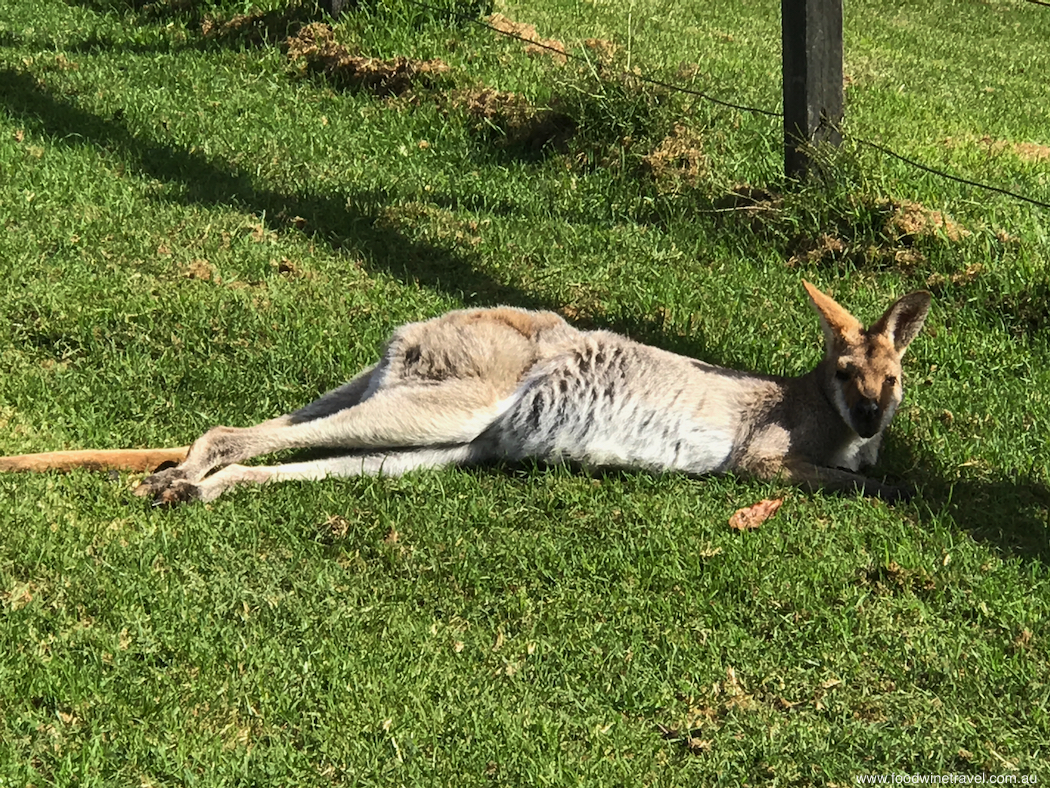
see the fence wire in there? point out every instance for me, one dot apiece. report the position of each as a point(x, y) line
point(651, 80)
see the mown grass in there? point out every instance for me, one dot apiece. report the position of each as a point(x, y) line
point(197, 232)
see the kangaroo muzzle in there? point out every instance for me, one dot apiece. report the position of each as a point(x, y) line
point(866, 416)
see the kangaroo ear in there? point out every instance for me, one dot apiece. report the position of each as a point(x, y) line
point(836, 321)
point(902, 322)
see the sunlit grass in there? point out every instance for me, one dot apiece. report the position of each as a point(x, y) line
point(195, 233)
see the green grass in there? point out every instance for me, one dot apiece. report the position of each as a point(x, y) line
point(196, 233)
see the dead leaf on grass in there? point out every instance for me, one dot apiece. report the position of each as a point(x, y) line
point(751, 517)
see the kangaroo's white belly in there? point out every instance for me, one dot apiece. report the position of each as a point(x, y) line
point(602, 412)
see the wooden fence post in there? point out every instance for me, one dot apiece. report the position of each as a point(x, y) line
point(811, 31)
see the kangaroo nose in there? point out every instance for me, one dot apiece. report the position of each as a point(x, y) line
point(867, 409)
point(866, 417)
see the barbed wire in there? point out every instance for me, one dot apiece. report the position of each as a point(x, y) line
point(943, 174)
point(562, 52)
point(643, 77)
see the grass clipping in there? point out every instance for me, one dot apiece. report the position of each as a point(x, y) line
point(315, 51)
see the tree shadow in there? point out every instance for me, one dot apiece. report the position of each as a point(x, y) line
point(351, 221)
point(343, 221)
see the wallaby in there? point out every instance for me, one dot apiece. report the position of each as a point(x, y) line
point(506, 384)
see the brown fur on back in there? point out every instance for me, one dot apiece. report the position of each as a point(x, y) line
point(498, 346)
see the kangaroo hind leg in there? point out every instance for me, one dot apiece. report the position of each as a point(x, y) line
point(388, 463)
point(400, 417)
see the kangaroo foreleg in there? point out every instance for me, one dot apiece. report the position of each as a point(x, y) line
point(817, 477)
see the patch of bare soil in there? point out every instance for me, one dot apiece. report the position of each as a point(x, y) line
point(1032, 151)
point(1026, 151)
point(315, 51)
point(702, 715)
point(510, 115)
point(534, 43)
point(677, 160)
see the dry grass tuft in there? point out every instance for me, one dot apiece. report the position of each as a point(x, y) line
point(908, 221)
point(534, 43)
point(518, 122)
point(315, 50)
point(677, 160)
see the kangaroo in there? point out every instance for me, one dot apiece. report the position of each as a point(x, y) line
point(505, 384)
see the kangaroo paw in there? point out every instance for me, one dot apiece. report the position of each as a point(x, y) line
point(179, 491)
point(157, 482)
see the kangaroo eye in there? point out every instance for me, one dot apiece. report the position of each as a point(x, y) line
point(891, 380)
point(841, 374)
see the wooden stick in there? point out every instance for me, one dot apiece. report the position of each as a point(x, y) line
point(95, 460)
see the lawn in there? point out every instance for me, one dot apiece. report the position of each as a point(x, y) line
point(204, 223)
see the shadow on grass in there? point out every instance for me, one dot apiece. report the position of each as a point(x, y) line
point(259, 29)
point(342, 221)
point(1013, 515)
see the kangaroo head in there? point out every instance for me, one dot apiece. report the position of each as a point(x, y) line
point(861, 370)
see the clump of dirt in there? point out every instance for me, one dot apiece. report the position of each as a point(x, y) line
point(315, 51)
point(908, 221)
point(516, 121)
point(677, 160)
point(534, 43)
